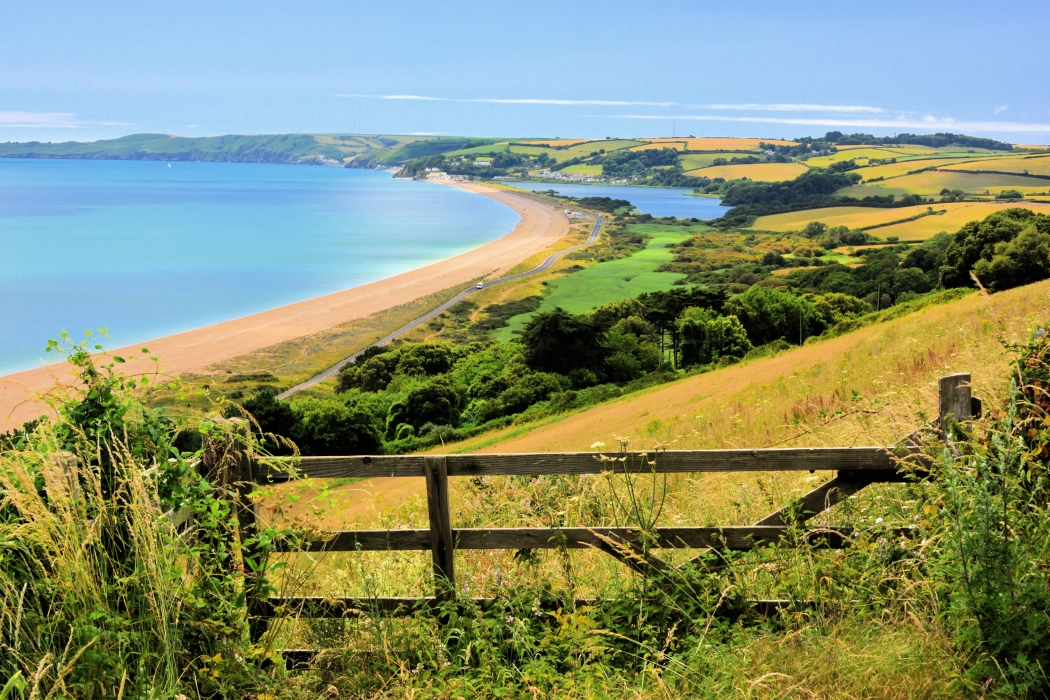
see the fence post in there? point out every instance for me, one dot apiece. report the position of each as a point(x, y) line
point(441, 545)
point(247, 529)
point(956, 400)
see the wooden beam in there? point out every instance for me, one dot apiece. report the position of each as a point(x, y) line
point(667, 461)
point(442, 547)
point(319, 608)
point(955, 399)
point(733, 538)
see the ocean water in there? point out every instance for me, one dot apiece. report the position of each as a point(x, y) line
point(147, 250)
point(656, 201)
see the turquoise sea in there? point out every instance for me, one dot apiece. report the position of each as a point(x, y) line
point(148, 250)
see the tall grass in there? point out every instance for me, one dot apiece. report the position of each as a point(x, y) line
point(120, 572)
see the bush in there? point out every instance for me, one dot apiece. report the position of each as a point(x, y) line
point(989, 239)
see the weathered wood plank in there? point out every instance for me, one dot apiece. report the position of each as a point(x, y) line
point(317, 607)
point(442, 546)
point(670, 461)
point(955, 399)
point(733, 538)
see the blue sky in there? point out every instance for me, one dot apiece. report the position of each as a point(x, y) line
point(81, 71)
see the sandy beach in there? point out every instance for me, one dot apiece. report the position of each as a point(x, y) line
point(540, 226)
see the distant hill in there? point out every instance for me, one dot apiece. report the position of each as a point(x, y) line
point(324, 149)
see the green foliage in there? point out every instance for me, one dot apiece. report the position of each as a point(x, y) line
point(437, 402)
point(990, 242)
point(706, 337)
point(103, 590)
point(989, 507)
point(557, 341)
point(769, 314)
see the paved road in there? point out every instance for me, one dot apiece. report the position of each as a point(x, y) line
point(545, 265)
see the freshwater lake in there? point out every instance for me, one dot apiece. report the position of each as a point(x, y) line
point(148, 250)
point(656, 201)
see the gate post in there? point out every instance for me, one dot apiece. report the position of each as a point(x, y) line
point(956, 400)
point(441, 545)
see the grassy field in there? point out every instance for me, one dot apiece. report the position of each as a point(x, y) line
point(595, 170)
point(957, 214)
point(860, 153)
point(728, 143)
point(893, 367)
point(677, 145)
point(931, 182)
point(1036, 165)
point(278, 148)
point(904, 167)
point(692, 161)
point(613, 280)
point(761, 172)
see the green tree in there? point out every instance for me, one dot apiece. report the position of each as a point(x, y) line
point(1023, 260)
point(632, 350)
point(557, 341)
point(331, 427)
point(436, 402)
point(707, 337)
point(769, 314)
point(978, 240)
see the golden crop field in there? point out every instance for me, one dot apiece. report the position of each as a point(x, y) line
point(906, 166)
point(851, 154)
point(582, 169)
point(1036, 165)
point(957, 214)
point(648, 145)
point(761, 172)
point(931, 182)
point(727, 143)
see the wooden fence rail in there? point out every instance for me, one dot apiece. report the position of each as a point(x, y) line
point(855, 467)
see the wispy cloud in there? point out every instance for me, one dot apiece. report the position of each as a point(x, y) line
point(49, 120)
point(1001, 108)
point(37, 119)
point(521, 101)
point(926, 123)
point(751, 107)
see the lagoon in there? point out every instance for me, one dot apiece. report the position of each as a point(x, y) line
point(656, 201)
point(148, 249)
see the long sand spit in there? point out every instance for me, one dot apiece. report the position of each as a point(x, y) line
point(540, 226)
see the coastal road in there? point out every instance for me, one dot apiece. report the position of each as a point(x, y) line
point(545, 265)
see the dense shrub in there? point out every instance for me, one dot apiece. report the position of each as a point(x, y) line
point(997, 252)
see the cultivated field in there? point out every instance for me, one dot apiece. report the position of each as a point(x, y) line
point(1034, 165)
point(930, 183)
point(956, 214)
point(904, 167)
point(761, 172)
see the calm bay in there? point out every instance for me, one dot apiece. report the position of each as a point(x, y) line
point(148, 249)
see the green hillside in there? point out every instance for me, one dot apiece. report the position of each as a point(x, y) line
point(264, 148)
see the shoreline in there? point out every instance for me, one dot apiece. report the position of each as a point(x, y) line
point(540, 226)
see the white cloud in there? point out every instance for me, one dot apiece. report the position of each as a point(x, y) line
point(1001, 108)
point(520, 101)
point(749, 107)
point(37, 119)
point(926, 123)
point(795, 108)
